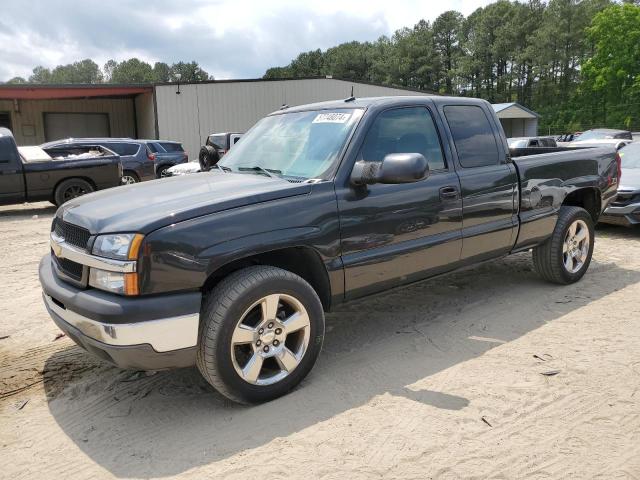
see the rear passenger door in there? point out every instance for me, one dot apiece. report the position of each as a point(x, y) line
point(488, 180)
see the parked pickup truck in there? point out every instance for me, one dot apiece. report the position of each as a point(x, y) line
point(54, 174)
point(232, 270)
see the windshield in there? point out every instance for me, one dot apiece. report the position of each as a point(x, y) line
point(600, 135)
point(630, 155)
point(302, 145)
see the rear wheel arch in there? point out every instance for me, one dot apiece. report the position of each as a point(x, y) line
point(588, 198)
point(303, 261)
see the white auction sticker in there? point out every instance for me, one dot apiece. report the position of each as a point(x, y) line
point(332, 118)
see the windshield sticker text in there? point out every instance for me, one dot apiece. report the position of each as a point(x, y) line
point(332, 118)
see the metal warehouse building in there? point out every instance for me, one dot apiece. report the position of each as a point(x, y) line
point(183, 112)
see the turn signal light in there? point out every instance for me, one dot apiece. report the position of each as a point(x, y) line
point(131, 284)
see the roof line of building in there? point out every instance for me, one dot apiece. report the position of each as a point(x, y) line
point(27, 86)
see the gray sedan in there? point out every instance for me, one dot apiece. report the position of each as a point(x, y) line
point(625, 208)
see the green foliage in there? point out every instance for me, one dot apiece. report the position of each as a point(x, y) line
point(128, 71)
point(612, 74)
point(85, 71)
point(16, 81)
point(189, 72)
point(576, 62)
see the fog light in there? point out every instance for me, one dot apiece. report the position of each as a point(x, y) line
point(116, 282)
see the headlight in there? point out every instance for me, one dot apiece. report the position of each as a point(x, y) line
point(120, 246)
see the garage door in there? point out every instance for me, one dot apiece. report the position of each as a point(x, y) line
point(65, 125)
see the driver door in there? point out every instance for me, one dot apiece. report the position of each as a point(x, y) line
point(395, 234)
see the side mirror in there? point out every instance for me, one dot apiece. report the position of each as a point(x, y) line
point(394, 168)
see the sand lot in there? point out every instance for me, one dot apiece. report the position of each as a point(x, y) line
point(444, 379)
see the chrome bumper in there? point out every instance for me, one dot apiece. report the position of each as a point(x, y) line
point(163, 335)
point(626, 210)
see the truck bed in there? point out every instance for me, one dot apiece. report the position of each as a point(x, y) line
point(549, 175)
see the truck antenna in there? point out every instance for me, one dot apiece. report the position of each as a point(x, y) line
point(351, 98)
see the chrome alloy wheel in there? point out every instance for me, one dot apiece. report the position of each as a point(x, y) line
point(575, 248)
point(128, 180)
point(270, 339)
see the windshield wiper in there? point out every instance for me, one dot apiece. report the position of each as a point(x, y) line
point(269, 172)
point(222, 169)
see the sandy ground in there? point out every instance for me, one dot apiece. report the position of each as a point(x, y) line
point(443, 379)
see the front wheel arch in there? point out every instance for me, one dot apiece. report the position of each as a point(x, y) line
point(302, 261)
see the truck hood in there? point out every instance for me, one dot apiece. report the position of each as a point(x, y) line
point(145, 207)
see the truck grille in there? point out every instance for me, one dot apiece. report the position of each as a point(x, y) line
point(72, 234)
point(73, 269)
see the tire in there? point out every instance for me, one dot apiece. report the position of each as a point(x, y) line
point(130, 177)
point(161, 170)
point(238, 300)
point(549, 259)
point(208, 157)
point(70, 189)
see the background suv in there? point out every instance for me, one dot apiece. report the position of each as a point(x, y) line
point(167, 155)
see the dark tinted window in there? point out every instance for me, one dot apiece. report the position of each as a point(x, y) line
point(153, 148)
point(625, 135)
point(472, 135)
point(172, 147)
point(123, 148)
point(8, 152)
point(218, 141)
point(404, 130)
point(5, 120)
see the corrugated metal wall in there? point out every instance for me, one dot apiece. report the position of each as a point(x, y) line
point(204, 108)
point(28, 123)
point(145, 116)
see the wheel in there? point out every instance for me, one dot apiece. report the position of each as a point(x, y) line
point(71, 188)
point(261, 330)
point(162, 171)
point(129, 177)
point(565, 257)
point(208, 157)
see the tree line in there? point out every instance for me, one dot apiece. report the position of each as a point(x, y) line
point(576, 63)
point(132, 70)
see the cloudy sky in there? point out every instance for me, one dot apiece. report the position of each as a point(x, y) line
point(229, 39)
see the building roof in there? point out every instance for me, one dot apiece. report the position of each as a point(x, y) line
point(513, 110)
point(45, 92)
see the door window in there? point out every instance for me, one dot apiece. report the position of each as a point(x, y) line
point(472, 135)
point(404, 130)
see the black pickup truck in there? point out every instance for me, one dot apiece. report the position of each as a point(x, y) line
point(233, 270)
point(59, 175)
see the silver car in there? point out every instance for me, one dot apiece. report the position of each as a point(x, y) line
point(625, 208)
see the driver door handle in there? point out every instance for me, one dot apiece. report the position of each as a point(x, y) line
point(448, 193)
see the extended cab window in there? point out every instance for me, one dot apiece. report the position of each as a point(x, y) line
point(404, 130)
point(472, 135)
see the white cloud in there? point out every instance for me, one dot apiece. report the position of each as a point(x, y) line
point(230, 39)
